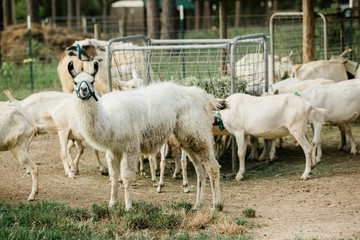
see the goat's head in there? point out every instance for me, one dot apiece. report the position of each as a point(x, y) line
point(285, 66)
point(83, 81)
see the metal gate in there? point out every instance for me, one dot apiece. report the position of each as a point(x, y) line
point(220, 66)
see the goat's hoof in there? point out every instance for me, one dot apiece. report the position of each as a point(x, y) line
point(186, 190)
point(176, 175)
point(159, 189)
point(72, 176)
point(104, 172)
point(239, 177)
point(142, 173)
point(31, 198)
point(305, 176)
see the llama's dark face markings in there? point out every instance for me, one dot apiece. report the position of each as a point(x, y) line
point(84, 82)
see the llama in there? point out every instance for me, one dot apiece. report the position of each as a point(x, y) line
point(127, 124)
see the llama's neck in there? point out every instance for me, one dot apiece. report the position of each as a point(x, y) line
point(94, 122)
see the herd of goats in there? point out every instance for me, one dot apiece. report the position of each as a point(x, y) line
point(137, 121)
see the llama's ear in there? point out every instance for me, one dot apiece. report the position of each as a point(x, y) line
point(95, 70)
point(72, 70)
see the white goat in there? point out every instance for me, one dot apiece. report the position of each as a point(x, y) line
point(38, 105)
point(342, 102)
point(267, 117)
point(251, 68)
point(130, 123)
point(17, 129)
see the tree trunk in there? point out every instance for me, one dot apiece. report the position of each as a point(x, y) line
point(197, 15)
point(237, 13)
point(207, 19)
point(78, 13)
point(308, 31)
point(69, 13)
point(6, 6)
point(168, 23)
point(53, 13)
point(13, 11)
point(153, 19)
point(33, 10)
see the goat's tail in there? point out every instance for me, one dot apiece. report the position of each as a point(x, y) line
point(9, 95)
point(220, 104)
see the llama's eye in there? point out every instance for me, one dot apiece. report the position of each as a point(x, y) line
point(75, 83)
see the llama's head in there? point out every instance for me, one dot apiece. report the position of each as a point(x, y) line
point(86, 50)
point(83, 81)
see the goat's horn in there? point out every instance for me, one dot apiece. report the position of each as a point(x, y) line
point(343, 54)
point(72, 70)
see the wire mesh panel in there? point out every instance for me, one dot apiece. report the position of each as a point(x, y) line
point(286, 33)
point(209, 64)
point(344, 33)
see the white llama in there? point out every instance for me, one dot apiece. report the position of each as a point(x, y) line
point(127, 124)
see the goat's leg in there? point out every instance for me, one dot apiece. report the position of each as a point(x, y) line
point(184, 171)
point(63, 137)
point(152, 162)
point(20, 153)
point(301, 138)
point(163, 151)
point(102, 168)
point(354, 148)
point(201, 179)
point(142, 171)
point(128, 165)
point(113, 162)
point(80, 151)
point(241, 140)
point(342, 137)
point(254, 146)
point(177, 161)
point(316, 142)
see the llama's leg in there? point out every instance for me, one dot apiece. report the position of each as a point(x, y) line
point(241, 140)
point(63, 137)
point(354, 148)
point(184, 172)
point(177, 171)
point(113, 162)
point(102, 168)
point(163, 151)
point(128, 176)
point(152, 162)
point(342, 137)
point(20, 153)
point(80, 151)
point(302, 140)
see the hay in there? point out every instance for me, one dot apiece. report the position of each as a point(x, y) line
point(49, 41)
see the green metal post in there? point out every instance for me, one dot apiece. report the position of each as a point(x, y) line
point(30, 55)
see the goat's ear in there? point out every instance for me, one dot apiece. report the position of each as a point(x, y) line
point(72, 70)
point(276, 92)
point(95, 70)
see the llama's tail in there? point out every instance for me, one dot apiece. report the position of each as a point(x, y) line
point(10, 96)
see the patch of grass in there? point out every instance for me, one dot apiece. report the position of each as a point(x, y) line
point(249, 213)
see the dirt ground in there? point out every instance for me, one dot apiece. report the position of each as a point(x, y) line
point(327, 206)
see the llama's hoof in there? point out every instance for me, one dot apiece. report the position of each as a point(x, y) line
point(71, 175)
point(186, 189)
